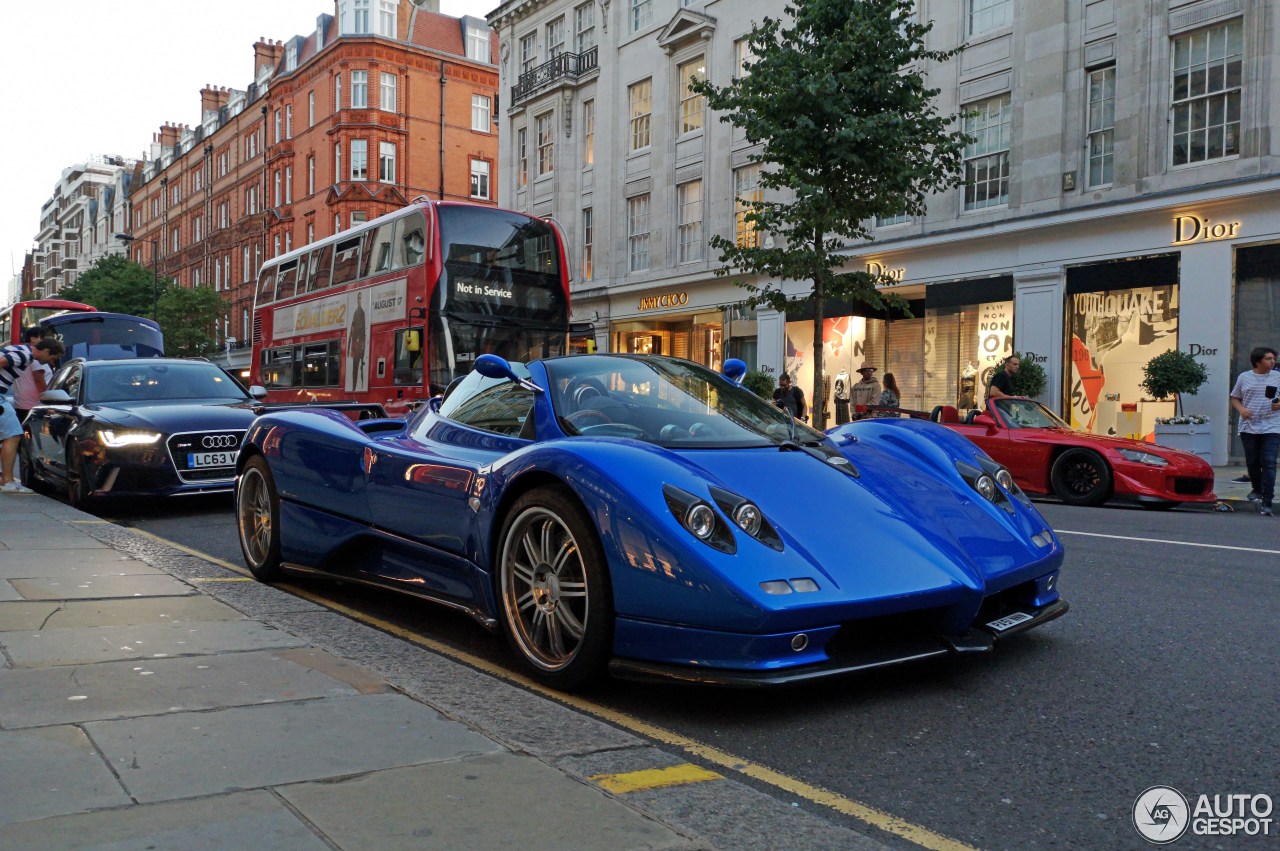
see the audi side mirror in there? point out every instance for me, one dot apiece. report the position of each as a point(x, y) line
point(56, 397)
point(258, 392)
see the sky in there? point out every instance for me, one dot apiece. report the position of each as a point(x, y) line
point(87, 77)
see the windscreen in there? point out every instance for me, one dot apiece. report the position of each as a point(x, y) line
point(97, 337)
point(143, 381)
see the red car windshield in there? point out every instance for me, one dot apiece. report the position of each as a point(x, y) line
point(1024, 413)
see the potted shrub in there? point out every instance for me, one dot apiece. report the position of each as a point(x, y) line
point(1174, 373)
point(1030, 379)
point(759, 383)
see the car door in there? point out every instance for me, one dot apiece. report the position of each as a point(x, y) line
point(50, 424)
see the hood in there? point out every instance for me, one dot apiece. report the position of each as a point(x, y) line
point(170, 417)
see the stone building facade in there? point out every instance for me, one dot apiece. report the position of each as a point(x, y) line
point(76, 222)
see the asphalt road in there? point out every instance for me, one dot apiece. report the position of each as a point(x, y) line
point(1165, 672)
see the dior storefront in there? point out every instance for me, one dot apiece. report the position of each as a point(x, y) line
point(1090, 295)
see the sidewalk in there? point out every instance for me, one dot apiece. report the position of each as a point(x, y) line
point(1234, 494)
point(152, 699)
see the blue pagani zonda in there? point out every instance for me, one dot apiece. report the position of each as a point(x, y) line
point(650, 517)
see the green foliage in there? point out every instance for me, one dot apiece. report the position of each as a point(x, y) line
point(188, 317)
point(1030, 379)
point(847, 131)
point(1173, 373)
point(759, 383)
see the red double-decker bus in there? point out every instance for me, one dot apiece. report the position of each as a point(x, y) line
point(393, 310)
point(24, 314)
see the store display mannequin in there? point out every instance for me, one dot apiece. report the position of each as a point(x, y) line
point(968, 387)
point(842, 396)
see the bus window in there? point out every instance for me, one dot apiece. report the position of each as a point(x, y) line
point(321, 259)
point(320, 363)
point(287, 280)
point(377, 249)
point(346, 261)
point(408, 365)
point(412, 245)
point(277, 367)
point(267, 285)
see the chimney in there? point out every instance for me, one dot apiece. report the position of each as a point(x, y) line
point(266, 53)
point(212, 99)
point(169, 134)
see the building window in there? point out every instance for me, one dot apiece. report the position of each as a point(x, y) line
point(311, 232)
point(641, 14)
point(288, 184)
point(1206, 93)
point(989, 15)
point(638, 232)
point(244, 263)
point(311, 175)
point(986, 160)
point(288, 241)
point(640, 98)
point(480, 115)
point(197, 179)
point(690, 102)
point(359, 159)
point(222, 164)
point(359, 217)
point(1101, 127)
point(528, 52)
point(589, 132)
point(337, 92)
point(387, 18)
point(288, 121)
point(742, 54)
point(278, 123)
point(388, 92)
point(337, 162)
point(689, 217)
point(175, 240)
point(277, 195)
point(359, 89)
point(584, 25)
point(311, 109)
point(291, 57)
point(888, 221)
point(522, 157)
point(387, 162)
point(588, 229)
point(361, 22)
point(337, 222)
point(198, 227)
point(746, 191)
point(555, 38)
point(478, 46)
point(480, 179)
point(546, 143)
point(223, 221)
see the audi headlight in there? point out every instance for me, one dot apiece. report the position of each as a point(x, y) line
point(116, 438)
point(1139, 457)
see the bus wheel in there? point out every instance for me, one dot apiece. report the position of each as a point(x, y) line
point(258, 520)
point(553, 588)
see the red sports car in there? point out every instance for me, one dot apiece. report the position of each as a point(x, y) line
point(1047, 456)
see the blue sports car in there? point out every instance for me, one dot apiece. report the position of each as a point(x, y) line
point(652, 518)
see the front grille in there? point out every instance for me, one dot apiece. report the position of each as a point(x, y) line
point(1188, 486)
point(198, 446)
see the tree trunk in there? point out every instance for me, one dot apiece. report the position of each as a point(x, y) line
point(818, 404)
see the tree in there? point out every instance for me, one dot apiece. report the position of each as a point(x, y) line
point(188, 317)
point(848, 131)
point(1173, 373)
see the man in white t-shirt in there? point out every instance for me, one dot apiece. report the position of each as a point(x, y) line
point(15, 360)
point(28, 386)
point(1256, 398)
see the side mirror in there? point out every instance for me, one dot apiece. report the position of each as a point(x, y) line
point(734, 369)
point(258, 392)
point(56, 397)
point(434, 403)
point(492, 366)
point(986, 421)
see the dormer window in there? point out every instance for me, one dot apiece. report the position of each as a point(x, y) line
point(478, 49)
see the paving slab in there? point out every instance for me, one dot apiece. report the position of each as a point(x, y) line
point(256, 820)
point(23, 564)
point(189, 754)
point(102, 587)
point(52, 771)
point(8, 592)
point(73, 646)
point(49, 536)
point(69, 694)
point(59, 614)
point(483, 802)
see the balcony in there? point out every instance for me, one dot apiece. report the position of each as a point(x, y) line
point(565, 68)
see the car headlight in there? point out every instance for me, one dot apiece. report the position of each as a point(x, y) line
point(114, 438)
point(1139, 457)
point(986, 486)
point(700, 520)
point(748, 518)
point(1005, 479)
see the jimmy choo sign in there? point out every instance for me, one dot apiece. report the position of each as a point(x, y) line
point(676, 299)
point(1188, 229)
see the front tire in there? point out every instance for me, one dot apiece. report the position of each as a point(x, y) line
point(258, 520)
point(553, 589)
point(27, 473)
point(79, 482)
point(1081, 477)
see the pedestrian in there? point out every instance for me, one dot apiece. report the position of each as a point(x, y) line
point(30, 384)
point(789, 398)
point(890, 397)
point(15, 360)
point(1256, 398)
point(864, 392)
point(1002, 382)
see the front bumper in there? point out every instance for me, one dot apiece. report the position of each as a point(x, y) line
point(844, 656)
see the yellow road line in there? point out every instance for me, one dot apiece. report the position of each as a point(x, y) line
point(887, 822)
point(653, 778)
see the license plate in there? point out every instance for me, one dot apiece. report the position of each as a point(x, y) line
point(1001, 624)
point(211, 459)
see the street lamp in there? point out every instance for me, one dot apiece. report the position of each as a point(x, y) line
point(155, 275)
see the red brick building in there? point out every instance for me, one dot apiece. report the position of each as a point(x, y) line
point(376, 107)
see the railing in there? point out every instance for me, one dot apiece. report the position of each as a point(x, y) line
point(566, 66)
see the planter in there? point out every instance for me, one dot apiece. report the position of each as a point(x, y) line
point(1196, 439)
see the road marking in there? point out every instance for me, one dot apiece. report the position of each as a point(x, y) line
point(653, 778)
point(1163, 541)
point(914, 833)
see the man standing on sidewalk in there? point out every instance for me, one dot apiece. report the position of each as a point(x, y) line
point(1256, 398)
point(15, 360)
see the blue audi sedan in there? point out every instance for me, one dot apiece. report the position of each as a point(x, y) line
point(140, 427)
